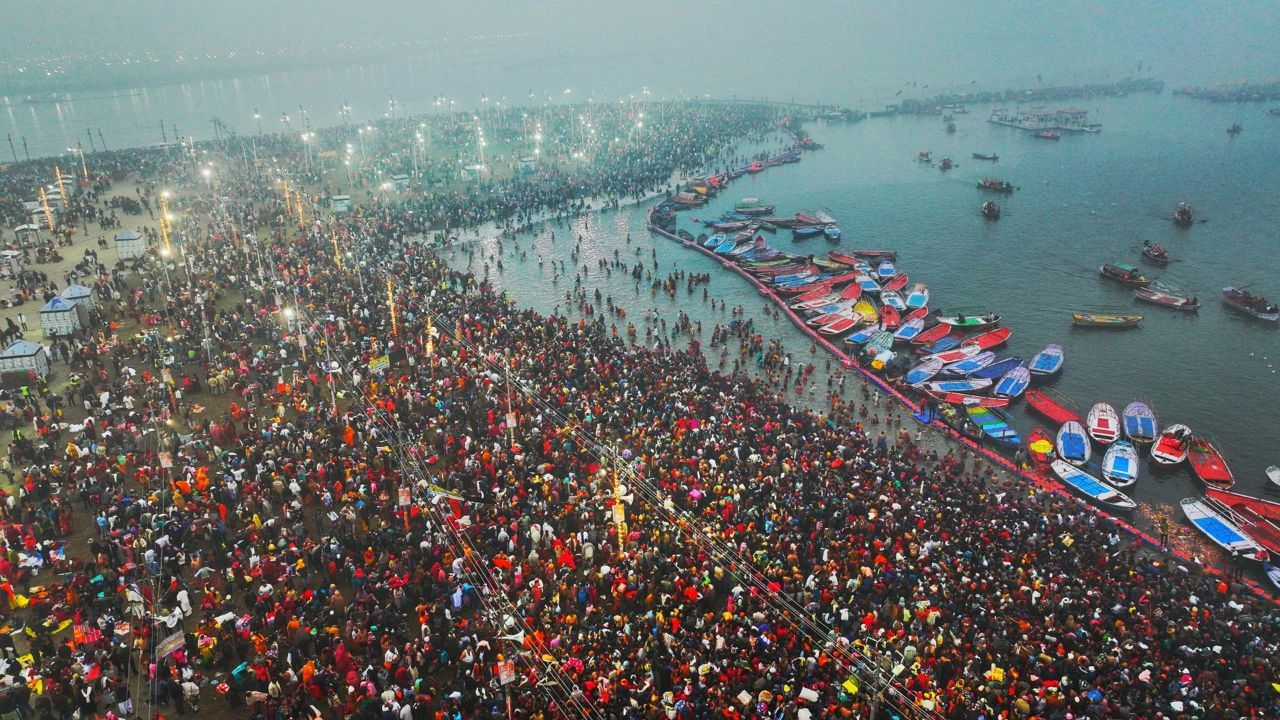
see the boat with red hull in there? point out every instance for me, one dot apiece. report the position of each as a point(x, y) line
point(1054, 408)
point(1259, 517)
point(1209, 465)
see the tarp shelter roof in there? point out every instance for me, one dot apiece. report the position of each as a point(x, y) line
point(22, 348)
point(128, 234)
point(57, 305)
point(76, 291)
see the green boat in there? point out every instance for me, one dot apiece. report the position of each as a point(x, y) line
point(970, 320)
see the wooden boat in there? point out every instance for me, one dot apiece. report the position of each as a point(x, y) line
point(1124, 273)
point(815, 298)
point(909, 330)
point(865, 334)
point(932, 335)
point(1258, 517)
point(1120, 464)
point(948, 343)
point(890, 316)
point(998, 368)
point(995, 425)
point(1052, 407)
point(990, 210)
point(890, 298)
point(1273, 474)
point(971, 364)
point(945, 164)
point(986, 156)
point(1048, 362)
point(1183, 215)
point(1049, 135)
point(867, 311)
point(1104, 320)
point(885, 270)
point(877, 254)
point(1250, 304)
point(1014, 383)
point(1155, 252)
point(878, 343)
point(956, 386)
point(841, 309)
point(868, 284)
point(1209, 465)
point(832, 233)
point(1104, 423)
point(841, 325)
point(1218, 525)
point(1271, 571)
point(954, 398)
point(1139, 423)
point(1172, 446)
point(895, 284)
point(1072, 443)
point(995, 185)
point(852, 291)
point(725, 246)
point(923, 371)
point(714, 240)
point(804, 232)
point(1094, 490)
point(1165, 299)
point(990, 338)
point(752, 206)
point(1040, 446)
point(970, 321)
point(918, 297)
point(957, 353)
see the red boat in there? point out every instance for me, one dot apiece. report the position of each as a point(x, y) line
point(890, 316)
point(932, 335)
point(962, 399)
point(990, 339)
point(1040, 446)
point(808, 219)
point(1208, 465)
point(1054, 408)
point(1257, 517)
point(918, 313)
point(852, 291)
point(896, 283)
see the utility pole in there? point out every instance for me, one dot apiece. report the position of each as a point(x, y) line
point(11, 148)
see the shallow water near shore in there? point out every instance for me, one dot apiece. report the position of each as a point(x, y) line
point(1082, 201)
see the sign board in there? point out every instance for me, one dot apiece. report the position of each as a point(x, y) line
point(380, 363)
point(171, 644)
point(166, 459)
point(506, 672)
point(405, 496)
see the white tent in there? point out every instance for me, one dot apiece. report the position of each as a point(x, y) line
point(80, 295)
point(59, 317)
point(131, 244)
point(24, 356)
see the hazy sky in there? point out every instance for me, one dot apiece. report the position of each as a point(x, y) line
point(885, 42)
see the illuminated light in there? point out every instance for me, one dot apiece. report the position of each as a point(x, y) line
point(391, 306)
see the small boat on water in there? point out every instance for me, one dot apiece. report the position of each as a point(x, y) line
point(1055, 408)
point(997, 369)
point(868, 284)
point(1234, 129)
point(970, 321)
point(804, 232)
point(1014, 383)
point(945, 164)
point(1120, 464)
point(956, 353)
point(1104, 423)
point(1155, 252)
point(924, 156)
point(990, 210)
point(1172, 445)
point(986, 156)
point(923, 371)
point(890, 298)
point(995, 425)
point(1166, 299)
point(909, 330)
point(955, 398)
point(895, 284)
point(885, 270)
point(990, 339)
point(1073, 444)
point(931, 335)
point(1209, 465)
point(1217, 524)
point(969, 365)
point(1040, 446)
point(918, 297)
point(956, 386)
point(865, 334)
point(1139, 423)
point(752, 206)
point(832, 232)
point(1105, 320)
point(1250, 304)
point(878, 343)
point(1124, 273)
point(867, 311)
point(877, 254)
point(841, 325)
point(1272, 572)
point(991, 184)
point(1273, 475)
point(1183, 215)
point(1048, 362)
point(1049, 135)
point(891, 317)
point(1258, 517)
point(1095, 490)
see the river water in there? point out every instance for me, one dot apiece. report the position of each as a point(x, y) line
point(1083, 200)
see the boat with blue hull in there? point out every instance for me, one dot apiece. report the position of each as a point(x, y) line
point(1120, 464)
point(1218, 523)
point(1048, 362)
point(995, 425)
point(1091, 488)
point(1014, 383)
point(1073, 444)
point(1139, 422)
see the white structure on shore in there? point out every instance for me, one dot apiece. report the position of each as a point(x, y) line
point(1066, 119)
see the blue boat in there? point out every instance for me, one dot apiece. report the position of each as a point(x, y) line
point(804, 233)
point(868, 284)
point(832, 232)
point(1048, 361)
point(909, 330)
point(1014, 383)
point(998, 368)
point(864, 334)
point(970, 364)
point(957, 386)
point(1120, 464)
point(886, 270)
point(1140, 423)
point(791, 277)
point(725, 246)
point(1073, 443)
point(714, 240)
point(924, 371)
point(994, 424)
point(1219, 523)
point(943, 345)
point(1093, 489)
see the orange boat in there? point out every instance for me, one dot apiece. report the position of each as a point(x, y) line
point(1040, 446)
point(1258, 517)
point(1054, 408)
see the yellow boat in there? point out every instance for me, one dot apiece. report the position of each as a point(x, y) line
point(1106, 320)
point(866, 311)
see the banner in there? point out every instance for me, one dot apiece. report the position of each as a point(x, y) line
point(171, 644)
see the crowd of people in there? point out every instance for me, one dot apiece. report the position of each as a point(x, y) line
point(306, 469)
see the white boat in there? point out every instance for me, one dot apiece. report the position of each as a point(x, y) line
point(1217, 523)
point(1273, 474)
point(1172, 445)
point(1273, 574)
point(1073, 444)
point(1092, 488)
point(1120, 464)
point(1104, 423)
